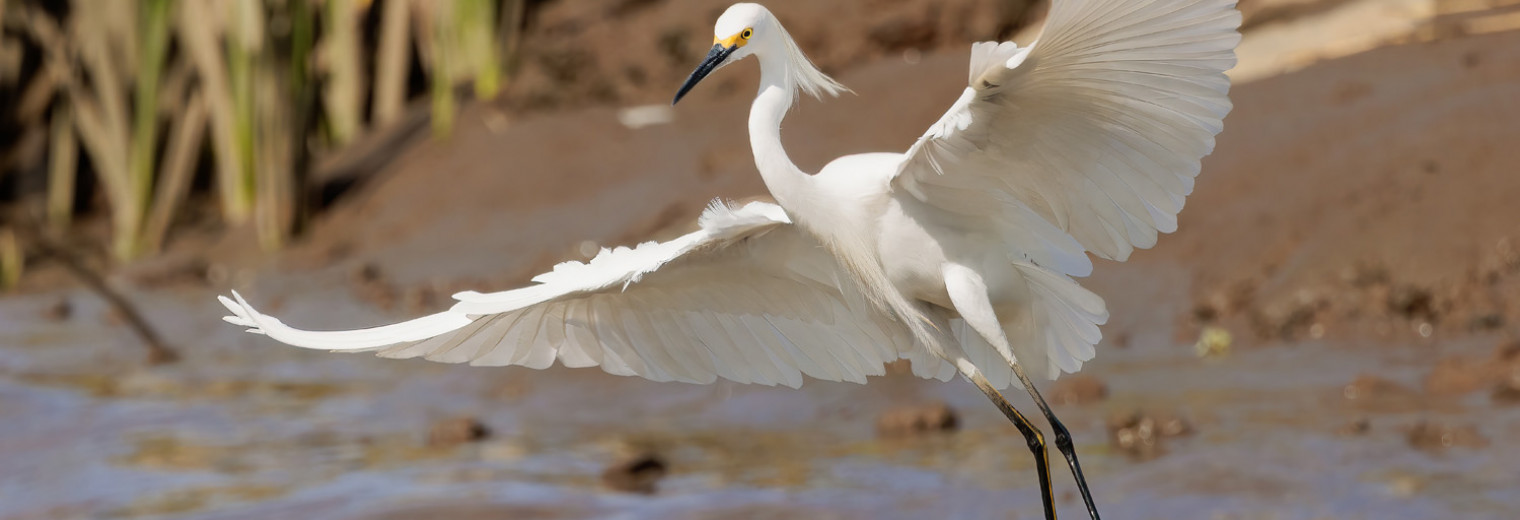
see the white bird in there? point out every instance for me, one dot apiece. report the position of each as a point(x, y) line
point(957, 255)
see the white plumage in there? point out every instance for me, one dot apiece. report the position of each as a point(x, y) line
point(957, 255)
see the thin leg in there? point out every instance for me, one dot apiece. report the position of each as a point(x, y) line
point(1063, 441)
point(1032, 435)
point(968, 293)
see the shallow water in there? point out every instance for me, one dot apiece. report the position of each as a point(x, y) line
point(247, 429)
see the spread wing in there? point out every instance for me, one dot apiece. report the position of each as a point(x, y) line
point(748, 297)
point(1096, 129)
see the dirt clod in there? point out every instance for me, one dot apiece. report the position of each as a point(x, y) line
point(1140, 434)
point(458, 430)
point(1079, 389)
point(1411, 302)
point(1355, 428)
point(636, 474)
point(369, 284)
point(912, 420)
point(60, 310)
point(1438, 437)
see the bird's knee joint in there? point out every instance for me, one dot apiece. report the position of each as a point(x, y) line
point(1036, 442)
point(1063, 440)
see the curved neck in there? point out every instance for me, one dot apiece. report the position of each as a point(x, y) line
point(785, 181)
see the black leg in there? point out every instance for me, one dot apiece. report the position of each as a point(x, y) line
point(1032, 436)
point(1063, 441)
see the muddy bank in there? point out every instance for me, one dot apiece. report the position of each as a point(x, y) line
point(1397, 160)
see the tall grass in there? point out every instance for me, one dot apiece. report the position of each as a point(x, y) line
point(141, 87)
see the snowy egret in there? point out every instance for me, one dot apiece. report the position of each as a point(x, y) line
point(957, 255)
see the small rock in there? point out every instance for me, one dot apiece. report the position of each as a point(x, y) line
point(1140, 435)
point(636, 474)
point(1506, 394)
point(369, 285)
point(459, 430)
point(913, 420)
point(1411, 302)
point(1078, 389)
point(1355, 428)
point(366, 272)
point(1214, 342)
point(1172, 425)
point(60, 310)
point(1426, 436)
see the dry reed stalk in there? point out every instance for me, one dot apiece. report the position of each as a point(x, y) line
point(12, 262)
point(56, 65)
point(154, 48)
point(273, 210)
point(393, 62)
point(344, 92)
point(437, 42)
point(245, 42)
point(201, 28)
point(509, 34)
point(185, 141)
point(63, 164)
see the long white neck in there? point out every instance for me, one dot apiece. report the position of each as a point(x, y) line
point(785, 181)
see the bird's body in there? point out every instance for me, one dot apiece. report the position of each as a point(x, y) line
point(958, 254)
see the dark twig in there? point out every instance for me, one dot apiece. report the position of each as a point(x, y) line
point(158, 352)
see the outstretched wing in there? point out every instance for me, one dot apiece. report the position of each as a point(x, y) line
point(1096, 129)
point(748, 297)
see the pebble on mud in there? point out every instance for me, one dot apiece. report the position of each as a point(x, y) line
point(369, 285)
point(637, 474)
point(1078, 389)
point(1438, 437)
point(1411, 302)
point(60, 310)
point(912, 420)
point(1355, 428)
point(1139, 434)
point(458, 430)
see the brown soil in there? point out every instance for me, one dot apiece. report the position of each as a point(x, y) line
point(1368, 201)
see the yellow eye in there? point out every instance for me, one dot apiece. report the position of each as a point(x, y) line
point(747, 33)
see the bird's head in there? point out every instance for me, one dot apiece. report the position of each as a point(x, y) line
point(750, 29)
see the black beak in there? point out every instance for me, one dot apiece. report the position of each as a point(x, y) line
point(714, 58)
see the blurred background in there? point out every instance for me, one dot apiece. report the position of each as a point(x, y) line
point(1330, 335)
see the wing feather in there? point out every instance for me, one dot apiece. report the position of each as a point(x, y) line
point(1087, 141)
point(747, 297)
point(1097, 128)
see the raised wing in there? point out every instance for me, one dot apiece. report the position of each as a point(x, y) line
point(747, 297)
point(1097, 129)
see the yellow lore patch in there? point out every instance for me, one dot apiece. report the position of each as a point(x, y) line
point(737, 40)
